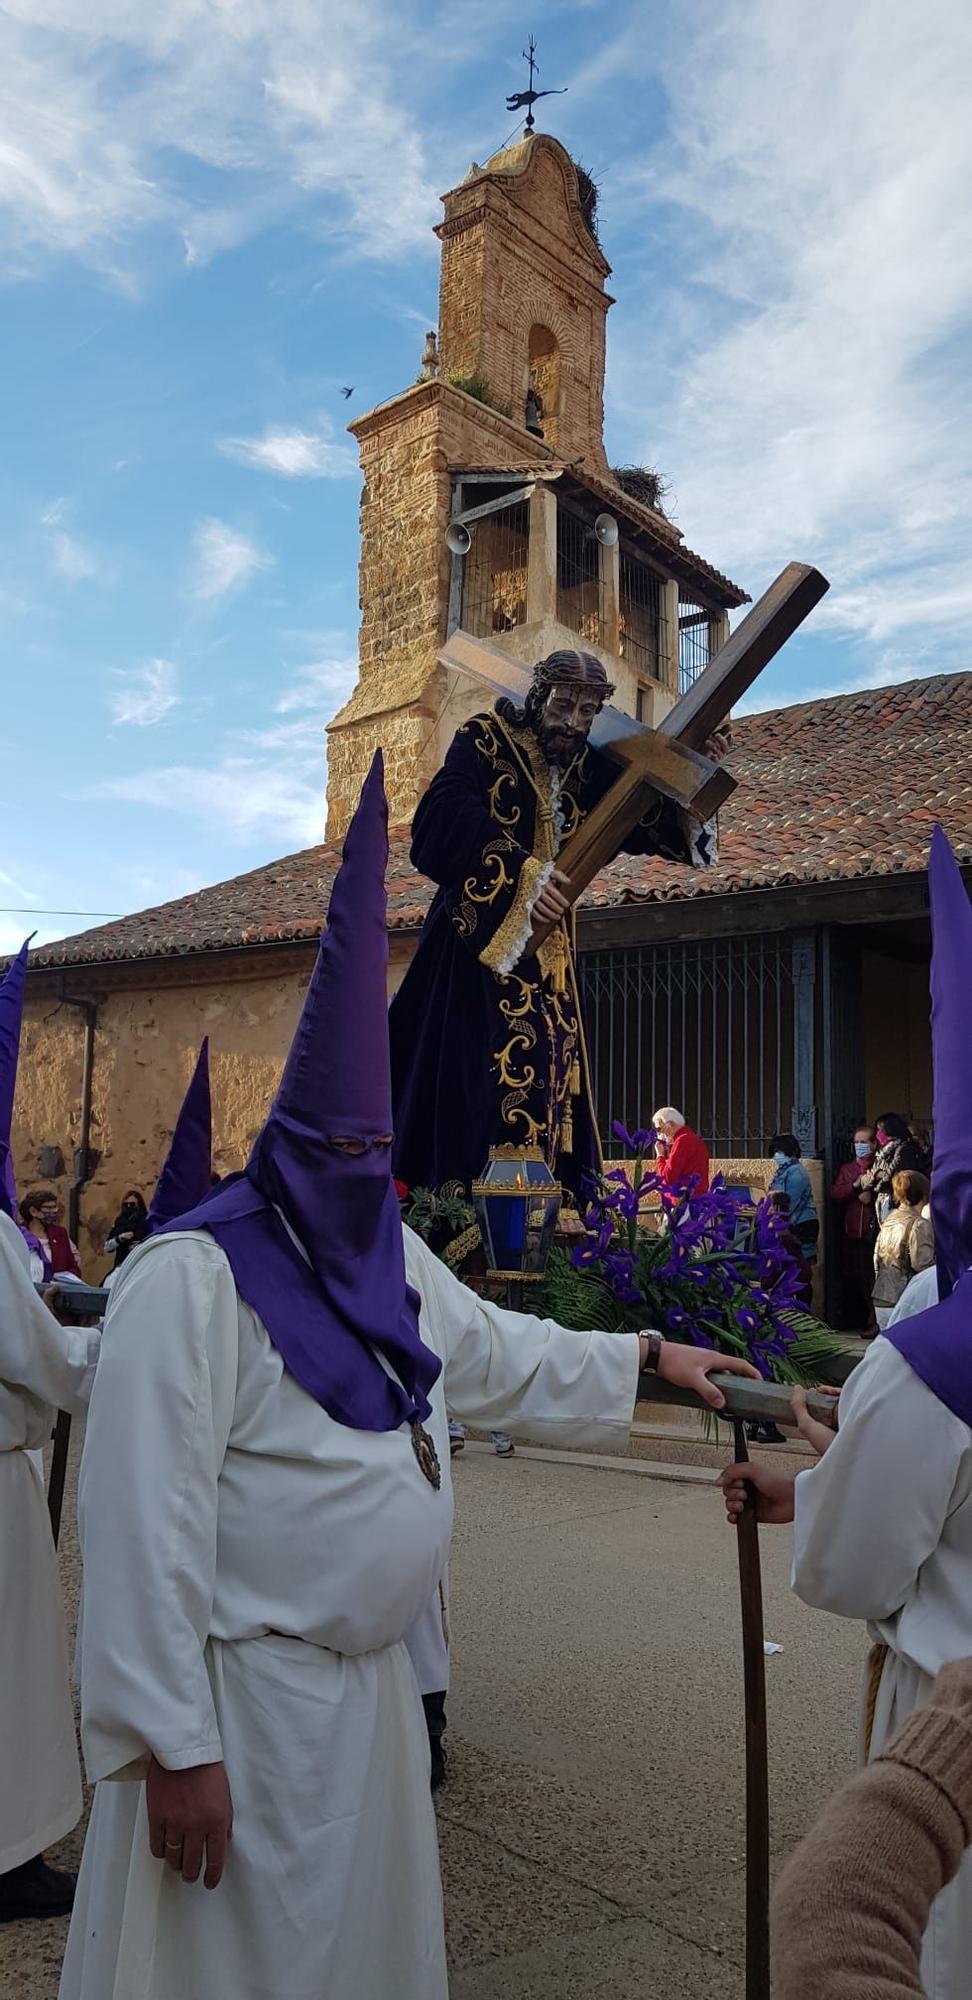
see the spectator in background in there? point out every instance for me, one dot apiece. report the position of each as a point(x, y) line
point(859, 1229)
point(792, 1180)
point(128, 1229)
point(896, 1154)
point(922, 1139)
point(52, 1253)
point(680, 1154)
point(904, 1245)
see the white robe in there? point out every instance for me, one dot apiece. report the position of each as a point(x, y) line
point(883, 1531)
point(43, 1367)
point(251, 1568)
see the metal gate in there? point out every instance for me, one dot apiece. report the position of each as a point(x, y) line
point(707, 1026)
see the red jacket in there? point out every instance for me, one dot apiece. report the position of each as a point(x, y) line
point(860, 1218)
point(687, 1154)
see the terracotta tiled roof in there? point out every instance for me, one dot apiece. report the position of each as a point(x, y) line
point(828, 791)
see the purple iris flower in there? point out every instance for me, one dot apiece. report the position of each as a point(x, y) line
point(677, 1320)
point(635, 1141)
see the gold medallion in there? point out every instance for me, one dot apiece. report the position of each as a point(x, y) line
point(427, 1456)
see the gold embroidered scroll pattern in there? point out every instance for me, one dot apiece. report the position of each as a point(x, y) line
point(494, 877)
point(516, 1074)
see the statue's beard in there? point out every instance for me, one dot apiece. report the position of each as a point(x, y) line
point(560, 746)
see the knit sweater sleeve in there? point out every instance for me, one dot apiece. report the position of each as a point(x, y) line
point(852, 1905)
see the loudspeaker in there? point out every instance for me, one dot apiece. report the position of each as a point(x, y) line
point(606, 530)
point(459, 539)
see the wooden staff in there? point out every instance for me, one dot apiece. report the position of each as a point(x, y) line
point(757, 1766)
point(59, 1459)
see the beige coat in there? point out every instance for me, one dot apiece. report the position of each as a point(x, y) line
point(904, 1246)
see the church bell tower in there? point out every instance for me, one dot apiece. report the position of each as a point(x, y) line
point(505, 427)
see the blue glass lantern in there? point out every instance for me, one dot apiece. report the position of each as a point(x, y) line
point(517, 1202)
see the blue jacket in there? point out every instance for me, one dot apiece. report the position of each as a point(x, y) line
point(794, 1181)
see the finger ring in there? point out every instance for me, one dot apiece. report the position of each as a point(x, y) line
point(173, 1847)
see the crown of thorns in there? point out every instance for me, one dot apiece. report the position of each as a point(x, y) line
point(568, 669)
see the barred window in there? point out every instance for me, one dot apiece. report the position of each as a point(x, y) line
point(694, 641)
point(494, 573)
point(580, 595)
point(643, 637)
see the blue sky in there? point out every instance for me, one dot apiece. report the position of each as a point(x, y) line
point(213, 218)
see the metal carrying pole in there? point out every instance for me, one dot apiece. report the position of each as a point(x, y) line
point(757, 1762)
point(59, 1459)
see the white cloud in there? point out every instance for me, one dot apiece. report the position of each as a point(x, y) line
point(72, 558)
point(143, 695)
point(806, 369)
point(224, 559)
point(322, 685)
point(295, 454)
point(104, 105)
point(263, 794)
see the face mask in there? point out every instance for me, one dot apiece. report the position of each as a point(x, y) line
point(781, 1159)
point(863, 1148)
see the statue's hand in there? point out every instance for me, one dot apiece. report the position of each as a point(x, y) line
point(552, 902)
point(719, 744)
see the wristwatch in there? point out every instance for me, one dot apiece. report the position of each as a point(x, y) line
point(656, 1342)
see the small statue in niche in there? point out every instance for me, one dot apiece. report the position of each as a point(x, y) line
point(430, 357)
point(534, 409)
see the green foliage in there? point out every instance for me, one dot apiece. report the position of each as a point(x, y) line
point(439, 1216)
point(577, 1299)
point(475, 385)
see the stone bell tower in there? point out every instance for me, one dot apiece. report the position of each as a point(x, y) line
point(505, 424)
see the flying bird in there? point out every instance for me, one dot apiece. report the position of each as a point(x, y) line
point(348, 392)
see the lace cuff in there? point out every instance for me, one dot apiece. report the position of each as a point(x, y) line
point(702, 841)
point(508, 943)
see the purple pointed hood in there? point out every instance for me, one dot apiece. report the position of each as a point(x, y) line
point(938, 1344)
point(335, 1302)
point(186, 1175)
point(11, 1012)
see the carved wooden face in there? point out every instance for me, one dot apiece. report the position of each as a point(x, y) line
point(566, 720)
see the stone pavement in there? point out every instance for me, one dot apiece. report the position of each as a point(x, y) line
point(591, 1828)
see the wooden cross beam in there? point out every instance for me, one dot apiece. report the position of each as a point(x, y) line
point(668, 759)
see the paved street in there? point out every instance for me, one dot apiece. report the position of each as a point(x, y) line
point(592, 1824)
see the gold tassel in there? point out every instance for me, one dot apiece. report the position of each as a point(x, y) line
point(567, 1132)
point(575, 1078)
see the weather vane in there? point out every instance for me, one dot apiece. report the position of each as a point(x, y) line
point(529, 97)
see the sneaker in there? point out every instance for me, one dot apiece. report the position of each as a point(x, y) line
point(438, 1759)
point(35, 1890)
point(765, 1434)
point(456, 1445)
point(506, 1450)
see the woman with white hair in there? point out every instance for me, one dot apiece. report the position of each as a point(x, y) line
point(680, 1155)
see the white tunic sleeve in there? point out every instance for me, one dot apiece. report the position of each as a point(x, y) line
point(41, 1360)
point(157, 1432)
point(873, 1510)
point(510, 1371)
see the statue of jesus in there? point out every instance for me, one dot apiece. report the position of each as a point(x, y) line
point(486, 1030)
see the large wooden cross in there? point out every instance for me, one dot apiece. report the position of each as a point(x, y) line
point(668, 759)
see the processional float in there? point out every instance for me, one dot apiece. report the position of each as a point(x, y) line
point(671, 760)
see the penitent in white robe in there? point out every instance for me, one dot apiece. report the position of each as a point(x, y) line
point(883, 1531)
point(251, 1569)
point(43, 1367)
